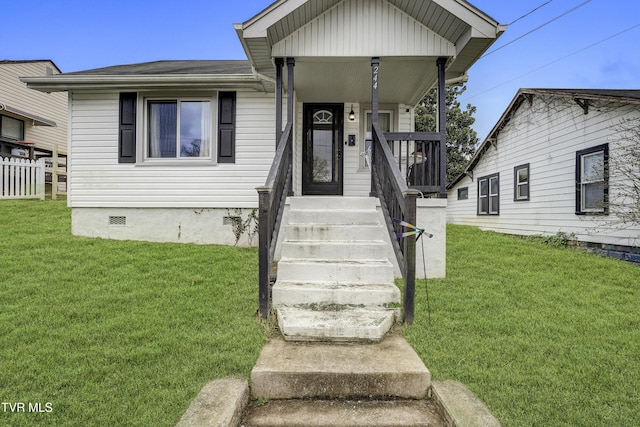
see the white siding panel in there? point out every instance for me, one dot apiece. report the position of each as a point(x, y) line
point(98, 180)
point(363, 28)
point(546, 134)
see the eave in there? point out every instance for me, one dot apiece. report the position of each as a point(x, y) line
point(63, 82)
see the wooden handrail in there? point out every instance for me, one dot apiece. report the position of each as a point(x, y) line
point(271, 201)
point(398, 203)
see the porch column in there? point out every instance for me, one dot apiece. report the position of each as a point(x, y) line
point(279, 63)
point(375, 69)
point(442, 126)
point(291, 62)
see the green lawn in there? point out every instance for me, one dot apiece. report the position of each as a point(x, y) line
point(114, 333)
point(544, 336)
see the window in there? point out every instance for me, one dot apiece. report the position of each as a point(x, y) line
point(463, 193)
point(384, 121)
point(592, 180)
point(489, 195)
point(11, 128)
point(179, 129)
point(521, 183)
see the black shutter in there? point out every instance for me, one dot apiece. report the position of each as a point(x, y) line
point(127, 130)
point(226, 127)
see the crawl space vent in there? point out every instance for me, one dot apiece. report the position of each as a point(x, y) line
point(117, 220)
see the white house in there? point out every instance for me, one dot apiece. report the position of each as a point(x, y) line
point(168, 150)
point(555, 163)
point(123, 164)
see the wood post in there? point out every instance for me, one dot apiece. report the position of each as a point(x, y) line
point(54, 173)
point(291, 62)
point(279, 64)
point(409, 259)
point(442, 125)
point(375, 71)
point(264, 244)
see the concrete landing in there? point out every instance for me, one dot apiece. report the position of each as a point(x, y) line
point(344, 413)
point(295, 370)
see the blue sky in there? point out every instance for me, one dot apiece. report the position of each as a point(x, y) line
point(578, 50)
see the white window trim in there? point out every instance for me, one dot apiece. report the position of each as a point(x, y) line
point(143, 129)
point(584, 182)
point(518, 184)
point(362, 167)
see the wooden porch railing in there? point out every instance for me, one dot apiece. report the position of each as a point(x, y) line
point(271, 198)
point(398, 203)
point(418, 157)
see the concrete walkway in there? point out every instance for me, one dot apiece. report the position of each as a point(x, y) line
point(337, 385)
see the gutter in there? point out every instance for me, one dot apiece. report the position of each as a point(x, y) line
point(59, 83)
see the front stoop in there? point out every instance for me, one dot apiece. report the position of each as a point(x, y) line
point(334, 282)
point(334, 385)
point(337, 385)
point(293, 370)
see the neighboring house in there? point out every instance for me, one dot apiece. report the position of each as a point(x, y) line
point(164, 150)
point(31, 123)
point(554, 164)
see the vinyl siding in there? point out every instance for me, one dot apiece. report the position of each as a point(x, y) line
point(51, 106)
point(98, 180)
point(546, 135)
point(364, 28)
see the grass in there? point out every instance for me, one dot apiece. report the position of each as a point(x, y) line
point(116, 332)
point(544, 336)
point(126, 333)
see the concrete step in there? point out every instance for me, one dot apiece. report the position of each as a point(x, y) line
point(347, 271)
point(325, 232)
point(332, 202)
point(336, 250)
point(345, 413)
point(334, 216)
point(323, 294)
point(346, 324)
point(389, 369)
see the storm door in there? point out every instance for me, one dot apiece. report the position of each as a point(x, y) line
point(322, 149)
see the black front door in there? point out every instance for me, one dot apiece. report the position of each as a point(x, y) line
point(322, 149)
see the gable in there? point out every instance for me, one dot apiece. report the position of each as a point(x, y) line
point(363, 28)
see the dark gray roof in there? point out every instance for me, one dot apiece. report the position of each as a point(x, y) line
point(173, 67)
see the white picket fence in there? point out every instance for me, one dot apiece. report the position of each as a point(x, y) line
point(21, 178)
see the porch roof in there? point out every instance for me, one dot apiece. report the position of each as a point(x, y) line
point(326, 39)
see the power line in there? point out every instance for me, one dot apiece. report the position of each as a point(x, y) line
point(529, 13)
point(556, 61)
point(537, 28)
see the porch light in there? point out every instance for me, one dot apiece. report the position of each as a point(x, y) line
point(352, 115)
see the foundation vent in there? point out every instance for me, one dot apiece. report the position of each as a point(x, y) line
point(117, 220)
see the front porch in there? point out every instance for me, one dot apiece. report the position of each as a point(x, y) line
point(347, 75)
